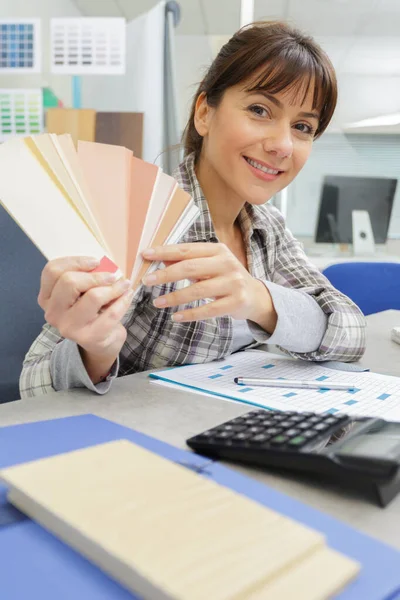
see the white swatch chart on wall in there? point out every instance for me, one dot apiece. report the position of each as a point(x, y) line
point(21, 112)
point(88, 45)
point(20, 46)
point(373, 394)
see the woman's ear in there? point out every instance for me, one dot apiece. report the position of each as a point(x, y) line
point(202, 114)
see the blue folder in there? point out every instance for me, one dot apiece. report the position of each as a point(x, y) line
point(34, 564)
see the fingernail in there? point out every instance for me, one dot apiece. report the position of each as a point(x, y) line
point(148, 252)
point(110, 277)
point(159, 302)
point(90, 262)
point(177, 317)
point(125, 284)
point(149, 279)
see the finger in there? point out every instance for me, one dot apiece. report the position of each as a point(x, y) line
point(210, 288)
point(94, 301)
point(217, 308)
point(55, 268)
point(178, 252)
point(193, 269)
point(70, 286)
point(112, 315)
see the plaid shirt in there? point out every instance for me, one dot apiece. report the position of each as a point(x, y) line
point(154, 340)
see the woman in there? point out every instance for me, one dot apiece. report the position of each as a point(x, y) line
point(267, 96)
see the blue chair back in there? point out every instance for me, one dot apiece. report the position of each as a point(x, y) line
point(373, 286)
point(21, 318)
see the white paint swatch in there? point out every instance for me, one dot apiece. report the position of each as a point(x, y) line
point(88, 46)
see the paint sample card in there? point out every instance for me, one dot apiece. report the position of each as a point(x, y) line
point(20, 46)
point(88, 46)
point(21, 112)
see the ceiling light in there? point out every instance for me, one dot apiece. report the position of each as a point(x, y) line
point(392, 119)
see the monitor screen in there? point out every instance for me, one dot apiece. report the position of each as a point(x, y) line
point(341, 195)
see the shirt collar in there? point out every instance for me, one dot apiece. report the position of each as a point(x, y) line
point(250, 218)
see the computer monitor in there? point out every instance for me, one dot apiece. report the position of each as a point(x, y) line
point(341, 195)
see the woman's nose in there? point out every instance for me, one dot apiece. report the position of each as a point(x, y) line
point(279, 141)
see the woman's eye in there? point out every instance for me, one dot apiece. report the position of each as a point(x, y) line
point(305, 128)
point(258, 110)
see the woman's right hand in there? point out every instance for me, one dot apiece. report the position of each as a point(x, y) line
point(87, 308)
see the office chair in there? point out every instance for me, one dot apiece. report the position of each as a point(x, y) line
point(373, 286)
point(21, 318)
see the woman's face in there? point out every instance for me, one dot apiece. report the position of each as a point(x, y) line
point(254, 142)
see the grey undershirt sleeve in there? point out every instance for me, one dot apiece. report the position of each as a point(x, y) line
point(68, 371)
point(301, 323)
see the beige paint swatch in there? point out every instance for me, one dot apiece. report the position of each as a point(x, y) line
point(107, 172)
point(36, 193)
point(166, 532)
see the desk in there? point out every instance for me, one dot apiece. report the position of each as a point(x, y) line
point(173, 416)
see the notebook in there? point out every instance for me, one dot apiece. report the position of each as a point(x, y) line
point(97, 200)
point(374, 395)
point(166, 532)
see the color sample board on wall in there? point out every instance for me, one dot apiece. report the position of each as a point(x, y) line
point(87, 45)
point(121, 129)
point(20, 47)
point(79, 123)
point(21, 112)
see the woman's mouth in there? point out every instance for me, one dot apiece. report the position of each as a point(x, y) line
point(261, 171)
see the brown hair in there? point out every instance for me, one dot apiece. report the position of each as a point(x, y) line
point(291, 61)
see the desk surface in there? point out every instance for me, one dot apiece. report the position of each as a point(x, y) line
point(173, 416)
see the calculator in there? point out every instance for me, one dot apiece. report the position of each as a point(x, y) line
point(361, 453)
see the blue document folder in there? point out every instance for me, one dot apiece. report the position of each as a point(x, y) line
point(36, 565)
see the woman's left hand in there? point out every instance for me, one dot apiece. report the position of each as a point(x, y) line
point(216, 273)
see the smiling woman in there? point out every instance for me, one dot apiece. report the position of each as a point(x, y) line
point(239, 276)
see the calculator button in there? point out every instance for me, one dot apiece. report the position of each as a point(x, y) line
point(285, 424)
point(279, 440)
point(330, 421)
point(256, 429)
point(273, 431)
point(309, 434)
point(234, 427)
point(280, 417)
point(297, 418)
point(256, 413)
point(260, 438)
point(298, 441)
point(242, 436)
point(252, 422)
point(314, 419)
point(223, 435)
point(293, 432)
point(321, 427)
point(303, 426)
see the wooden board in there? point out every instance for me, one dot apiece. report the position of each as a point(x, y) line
point(121, 129)
point(166, 532)
point(79, 123)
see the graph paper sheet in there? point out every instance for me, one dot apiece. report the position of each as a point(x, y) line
point(21, 112)
point(374, 395)
point(87, 45)
point(20, 46)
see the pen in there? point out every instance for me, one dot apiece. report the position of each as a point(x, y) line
point(293, 383)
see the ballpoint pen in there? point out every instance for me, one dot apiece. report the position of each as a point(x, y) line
point(293, 383)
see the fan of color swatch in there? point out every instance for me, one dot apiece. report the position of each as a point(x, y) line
point(21, 112)
point(88, 46)
point(20, 45)
point(98, 201)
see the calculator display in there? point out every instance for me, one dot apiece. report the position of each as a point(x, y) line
point(381, 440)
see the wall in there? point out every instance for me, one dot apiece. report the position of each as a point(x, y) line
point(44, 9)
